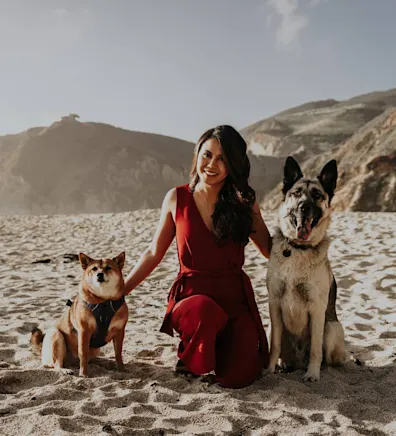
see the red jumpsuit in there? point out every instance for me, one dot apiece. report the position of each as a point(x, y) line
point(211, 303)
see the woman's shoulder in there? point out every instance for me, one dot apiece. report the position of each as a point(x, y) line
point(184, 188)
point(173, 194)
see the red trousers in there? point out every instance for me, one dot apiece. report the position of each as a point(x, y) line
point(212, 341)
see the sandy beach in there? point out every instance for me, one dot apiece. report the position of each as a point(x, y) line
point(149, 399)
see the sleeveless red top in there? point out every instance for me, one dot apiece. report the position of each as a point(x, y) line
point(210, 268)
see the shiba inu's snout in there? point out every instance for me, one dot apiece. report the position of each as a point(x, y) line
point(101, 275)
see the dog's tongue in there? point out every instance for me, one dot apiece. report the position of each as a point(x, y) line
point(304, 229)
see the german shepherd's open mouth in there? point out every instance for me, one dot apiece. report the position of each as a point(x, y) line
point(304, 220)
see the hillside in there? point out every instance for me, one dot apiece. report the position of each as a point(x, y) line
point(360, 133)
point(74, 167)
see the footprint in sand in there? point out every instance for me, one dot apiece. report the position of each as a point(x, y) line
point(356, 335)
point(61, 411)
point(16, 381)
point(79, 424)
point(149, 354)
point(388, 335)
point(137, 422)
point(364, 315)
point(5, 339)
point(365, 264)
point(346, 283)
point(375, 347)
point(364, 327)
point(7, 355)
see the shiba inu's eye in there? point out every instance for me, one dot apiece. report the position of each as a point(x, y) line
point(108, 268)
point(94, 268)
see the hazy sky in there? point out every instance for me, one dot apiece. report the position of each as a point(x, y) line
point(178, 67)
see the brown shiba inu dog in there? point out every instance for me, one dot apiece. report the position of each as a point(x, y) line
point(301, 286)
point(97, 315)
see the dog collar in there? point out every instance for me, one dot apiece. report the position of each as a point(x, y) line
point(287, 252)
point(300, 247)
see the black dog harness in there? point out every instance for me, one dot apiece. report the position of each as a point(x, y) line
point(103, 313)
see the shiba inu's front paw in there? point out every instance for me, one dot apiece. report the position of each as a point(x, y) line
point(83, 373)
point(311, 376)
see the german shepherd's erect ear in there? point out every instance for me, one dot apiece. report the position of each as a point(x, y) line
point(328, 178)
point(292, 173)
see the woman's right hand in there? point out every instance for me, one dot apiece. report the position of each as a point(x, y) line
point(162, 239)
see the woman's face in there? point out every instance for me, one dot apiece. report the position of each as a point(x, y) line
point(211, 167)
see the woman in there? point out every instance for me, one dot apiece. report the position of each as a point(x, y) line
point(211, 303)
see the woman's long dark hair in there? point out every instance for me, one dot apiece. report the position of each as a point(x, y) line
point(232, 216)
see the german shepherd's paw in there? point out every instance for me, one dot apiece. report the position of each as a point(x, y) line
point(311, 376)
point(65, 371)
point(286, 367)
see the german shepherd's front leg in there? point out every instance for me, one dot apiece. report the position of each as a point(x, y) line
point(118, 340)
point(317, 328)
point(276, 333)
point(84, 337)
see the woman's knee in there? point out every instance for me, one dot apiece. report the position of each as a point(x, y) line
point(241, 380)
point(209, 311)
point(200, 309)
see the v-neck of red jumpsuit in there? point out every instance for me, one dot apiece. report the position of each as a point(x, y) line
point(210, 268)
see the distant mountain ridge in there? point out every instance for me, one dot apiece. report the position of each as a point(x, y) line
point(86, 167)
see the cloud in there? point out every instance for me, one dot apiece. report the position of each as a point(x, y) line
point(314, 3)
point(291, 19)
point(60, 12)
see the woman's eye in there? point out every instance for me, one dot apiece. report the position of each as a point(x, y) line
point(221, 159)
point(206, 154)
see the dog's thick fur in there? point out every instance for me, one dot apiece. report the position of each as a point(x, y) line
point(301, 286)
point(102, 280)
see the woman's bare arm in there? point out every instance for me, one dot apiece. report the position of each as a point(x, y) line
point(163, 237)
point(260, 235)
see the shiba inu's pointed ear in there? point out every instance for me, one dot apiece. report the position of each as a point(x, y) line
point(84, 260)
point(120, 259)
point(328, 178)
point(292, 173)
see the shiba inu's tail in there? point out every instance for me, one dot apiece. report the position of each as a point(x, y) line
point(52, 348)
point(37, 340)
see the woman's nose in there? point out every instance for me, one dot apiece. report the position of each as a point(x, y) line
point(212, 162)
